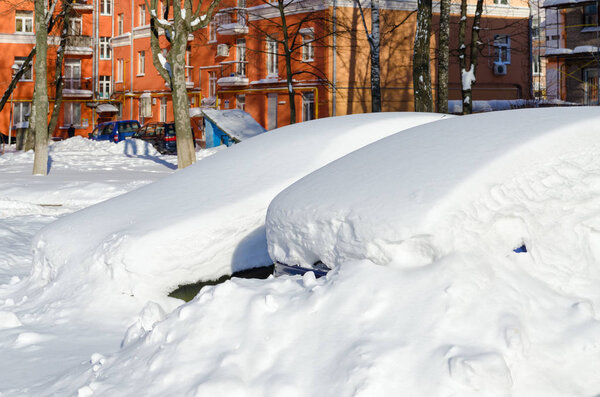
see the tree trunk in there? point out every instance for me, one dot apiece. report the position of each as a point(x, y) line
point(186, 155)
point(468, 75)
point(421, 59)
point(58, 79)
point(288, 63)
point(443, 57)
point(375, 39)
point(40, 121)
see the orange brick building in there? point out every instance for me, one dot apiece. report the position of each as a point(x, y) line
point(234, 63)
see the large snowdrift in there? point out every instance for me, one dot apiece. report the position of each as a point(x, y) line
point(406, 198)
point(456, 312)
point(204, 221)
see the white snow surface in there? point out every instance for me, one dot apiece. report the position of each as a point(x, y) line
point(204, 221)
point(453, 313)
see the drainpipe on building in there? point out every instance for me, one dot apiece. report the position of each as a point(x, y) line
point(131, 66)
point(334, 92)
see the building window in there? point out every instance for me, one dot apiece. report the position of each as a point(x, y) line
point(308, 106)
point(502, 49)
point(28, 76)
point(142, 15)
point(308, 51)
point(105, 50)
point(141, 63)
point(271, 57)
point(72, 74)
point(212, 84)
point(240, 102)
point(72, 113)
point(105, 7)
point(120, 25)
point(104, 87)
point(535, 28)
point(501, 2)
point(189, 70)
point(240, 55)
point(212, 31)
point(163, 109)
point(590, 15)
point(21, 111)
point(120, 70)
point(590, 78)
point(145, 107)
point(24, 22)
point(535, 64)
point(75, 25)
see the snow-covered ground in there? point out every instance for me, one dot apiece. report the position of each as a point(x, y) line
point(426, 296)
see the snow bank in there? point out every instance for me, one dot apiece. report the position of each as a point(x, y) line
point(201, 222)
point(404, 199)
point(456, 312)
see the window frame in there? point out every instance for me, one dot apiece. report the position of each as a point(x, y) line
point(212, 83)
point(240, 57)
point(106, 7)
point(501, 49)
point(27, 76)
point(308, 106)
point(69, 108)
point(105, 48)
point(26, 16)
point(120, 24)
point(20, 112)
point(120, 70)
point(142, 15)
point(141, 63)
point(271, 50)
point(308, 49)
point(104, 86)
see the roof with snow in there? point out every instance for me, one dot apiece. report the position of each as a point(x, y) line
point(236, 123)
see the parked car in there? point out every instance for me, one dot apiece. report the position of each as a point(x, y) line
point(115, 131)
point(161, 135)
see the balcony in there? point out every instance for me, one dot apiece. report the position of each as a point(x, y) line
point(232, 21)
point(79, 45)
point(80, 87)
point(234, 80)
point(83, 5)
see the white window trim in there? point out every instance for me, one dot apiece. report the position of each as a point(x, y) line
point(107, 48)
point(103, 83)
point(103, 9)
point(308, 48)
point(212, 83)
point(120, 24)
point(272, 61)
point(120, 70)
point(505, 46)
point(212, 32)
point(141, 63)
point(142, 15)
point(19, 62)
point(25, 15)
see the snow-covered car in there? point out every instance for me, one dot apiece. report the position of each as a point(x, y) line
point(412, 197)
point(207, 220)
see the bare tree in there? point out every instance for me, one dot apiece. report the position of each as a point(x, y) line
point(443, 57)
point(291, 41)
point(60, 56)
point(421, 59)
point(374, 39)
point(468, 74)
point(172, 67)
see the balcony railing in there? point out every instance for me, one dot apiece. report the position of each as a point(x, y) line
point(79, 41)
point(77, 87)
point(232, 21)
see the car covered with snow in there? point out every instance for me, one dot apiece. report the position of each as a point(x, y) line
point(408, 199)
point(206, 220)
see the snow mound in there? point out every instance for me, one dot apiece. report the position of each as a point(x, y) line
point(80, 144)
point(201, 222)
point(457, 312)
point(406, 199)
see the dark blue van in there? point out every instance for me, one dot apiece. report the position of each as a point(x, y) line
point(115, 131)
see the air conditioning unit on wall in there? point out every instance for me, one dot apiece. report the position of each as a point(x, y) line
point(500, 68)
point(222, 50)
